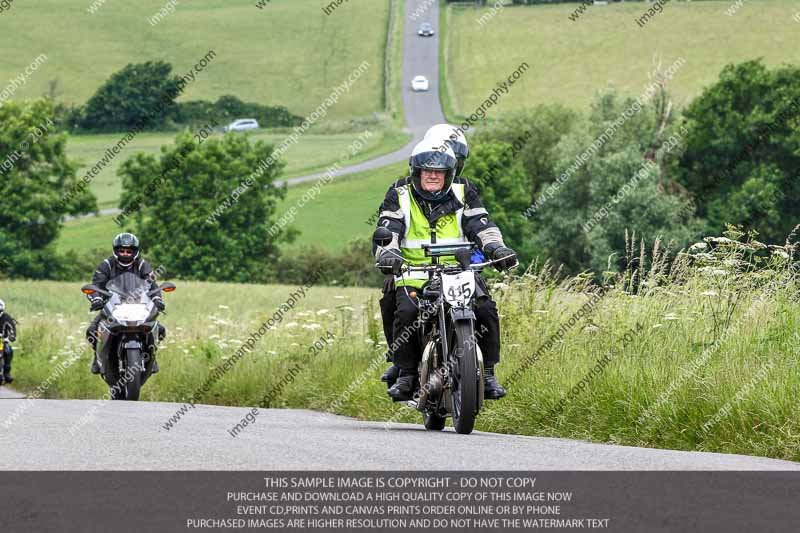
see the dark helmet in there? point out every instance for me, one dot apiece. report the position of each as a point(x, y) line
point(432, 155)
point(126, 248)
point(455, 138)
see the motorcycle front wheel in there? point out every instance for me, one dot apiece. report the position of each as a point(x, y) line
point(133, 377)
point(465, 378)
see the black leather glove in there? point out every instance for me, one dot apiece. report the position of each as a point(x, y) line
point(97, 304)
point(389, 262)
point(505, 257)
point(159, 303)
point(388, 284)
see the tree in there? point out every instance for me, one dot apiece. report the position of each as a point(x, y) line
point(171, 198)
point(743, 150)
point(501, 182)
point(533, 135)
point(38, 186)
point(140, 96)
point(625, 185)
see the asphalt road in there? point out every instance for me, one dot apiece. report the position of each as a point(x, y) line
point(6, 393)
point(130, 436)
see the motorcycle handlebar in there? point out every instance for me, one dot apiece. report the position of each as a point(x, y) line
point(434, 268)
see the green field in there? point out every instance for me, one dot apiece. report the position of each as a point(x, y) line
point(289, 53)
point(336, 216)
point(341, 211)
point(570, 60)
point(312, 153)
point(679, 372)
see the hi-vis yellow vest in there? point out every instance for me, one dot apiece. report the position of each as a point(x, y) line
point(418, 232)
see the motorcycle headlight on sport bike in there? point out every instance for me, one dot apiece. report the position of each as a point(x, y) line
point(131, 312)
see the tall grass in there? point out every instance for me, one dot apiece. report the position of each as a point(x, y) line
point(694, 351)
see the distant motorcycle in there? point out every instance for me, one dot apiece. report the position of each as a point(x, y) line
point(451, 369)
point(127, 335)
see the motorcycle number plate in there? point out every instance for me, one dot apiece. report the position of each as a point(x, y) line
point(458, 288)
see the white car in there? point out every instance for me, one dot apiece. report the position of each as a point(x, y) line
point(242, 124)
point(425, 30)
point(420, 83)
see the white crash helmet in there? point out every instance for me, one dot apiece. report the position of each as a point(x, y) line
point(2, 307)
point(432, 155)
point(455, 138)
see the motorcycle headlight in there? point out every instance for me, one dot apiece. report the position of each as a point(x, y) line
point(130, 312)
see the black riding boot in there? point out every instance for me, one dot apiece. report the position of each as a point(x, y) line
point(95, 365)
point(403, 389)
point(492, 390)
point(7, 357)
point(390, 376)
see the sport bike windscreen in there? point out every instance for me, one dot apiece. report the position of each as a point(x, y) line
point(129, 284)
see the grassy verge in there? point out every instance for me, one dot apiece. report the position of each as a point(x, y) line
point(396, 68)
point(448, 101)
point(703, 357)
point(569, 60)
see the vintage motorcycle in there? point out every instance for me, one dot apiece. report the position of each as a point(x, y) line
point(451, 369)
point(128, 334)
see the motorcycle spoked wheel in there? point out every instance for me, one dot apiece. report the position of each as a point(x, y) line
point(432, 420)
point(465, 378)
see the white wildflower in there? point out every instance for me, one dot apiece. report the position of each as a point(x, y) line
point(223, 306)
point(709, 293)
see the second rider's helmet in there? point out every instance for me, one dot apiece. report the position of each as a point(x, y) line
point(431, 155)
point(126, 248)
point(455, 138)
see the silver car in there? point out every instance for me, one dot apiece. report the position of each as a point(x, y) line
point(242, 124)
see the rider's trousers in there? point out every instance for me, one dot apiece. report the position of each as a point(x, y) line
point(405, 345)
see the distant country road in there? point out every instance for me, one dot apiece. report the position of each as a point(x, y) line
point(130, 436)
point(422, 110)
